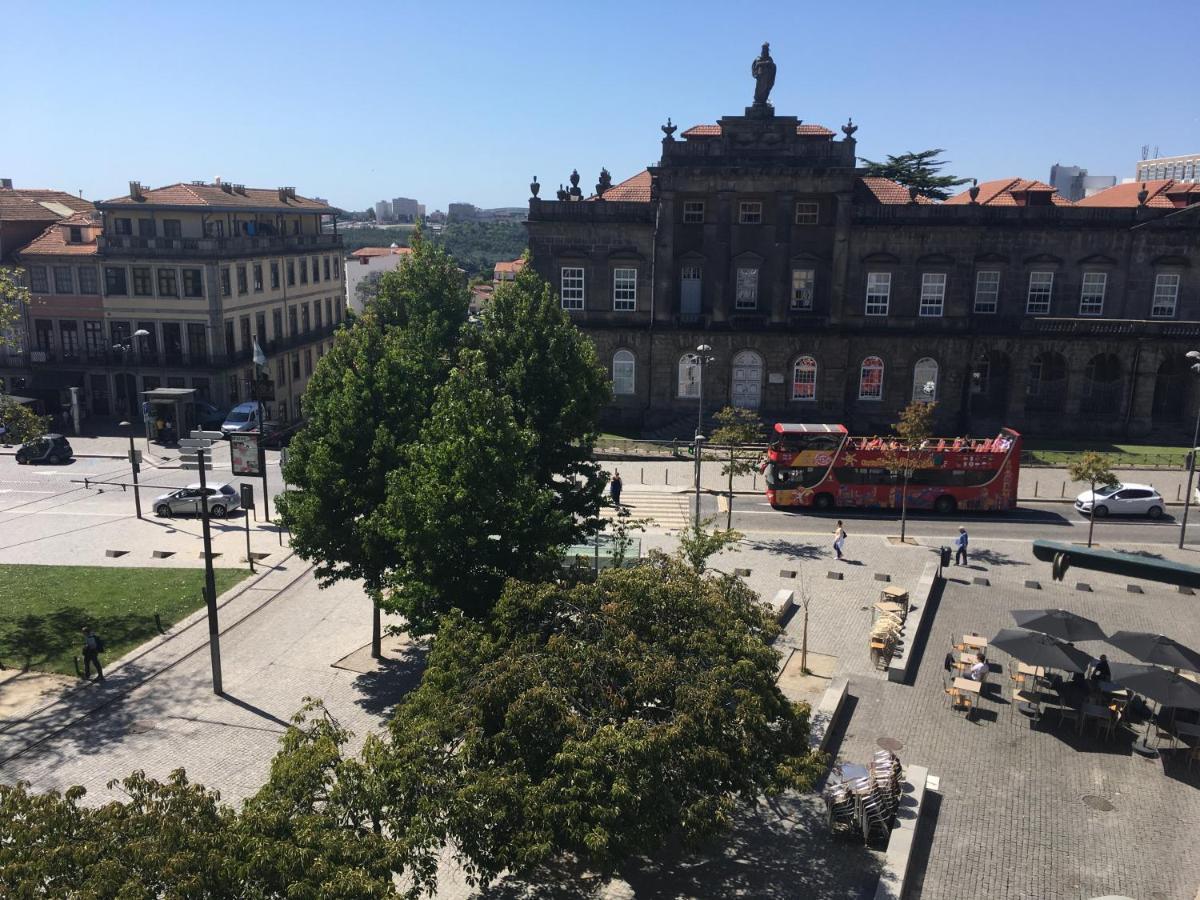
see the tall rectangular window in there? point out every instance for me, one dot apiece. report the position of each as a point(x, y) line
point(258, 282)
point(296, 365)
point(625, 290)
point(146, 228)
point(225, 289)
point(317, 314)
point(326, 268)
point(291, 272)
point(1041, 286)
point(329, 308)
point(241, 279)
point(274, 274)
point(172, 228)
point(1166, 295)
point(292, 329)
point(114, 281)
point(571, 288)
point(1091, 294)
point(193, 283)
point(807, 212)
point(746, 296)
point(305, 320)
point(168, 284)
point(337, 268)
point(316, 272)
point(879, 292)
point(88, 282)
point(304, 270)
point(39, 283)
point(276, 325)
point(142, 285)
point(987, 292)
point(693, 212)
point(933, 294)
point(63, 282)
point(750, 212)
point(802, 288)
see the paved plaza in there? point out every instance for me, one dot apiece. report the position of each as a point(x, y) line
point(1020, 811)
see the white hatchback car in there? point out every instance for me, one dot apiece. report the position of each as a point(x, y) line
point(1122, 500)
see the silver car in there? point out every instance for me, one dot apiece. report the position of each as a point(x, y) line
point(222, 499)
point(1122, 500)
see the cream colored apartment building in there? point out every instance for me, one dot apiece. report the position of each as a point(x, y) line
point(170, 287)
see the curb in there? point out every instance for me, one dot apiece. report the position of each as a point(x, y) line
point(77, 455)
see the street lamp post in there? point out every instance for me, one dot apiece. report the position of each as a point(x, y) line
point(701, 358)
point(1193, 355)
point(133, 464)
point(260, 365)
point(137, 365)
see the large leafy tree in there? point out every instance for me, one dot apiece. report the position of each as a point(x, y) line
point(920, 170)
point(736, 427)
point(598, 721)
point(469, 509)
point(13, 295)
point(20, 423)
point(366, 403)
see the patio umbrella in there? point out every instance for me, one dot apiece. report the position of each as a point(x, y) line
point(1163, 687)
point(1058, 623)
point(1156, 648)
point(1040, 649)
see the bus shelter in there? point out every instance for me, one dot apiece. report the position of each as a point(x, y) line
point(174, 407)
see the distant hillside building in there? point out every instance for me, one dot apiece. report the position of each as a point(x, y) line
point(1075, 183)
point(364, 268)
point(1184, 168)
point(383, 212)
point(507, 271)
point(462, 212)
point(405, 209)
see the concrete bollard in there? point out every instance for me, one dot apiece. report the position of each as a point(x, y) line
point(642, 475)
point(158, 622)
point(667, 476)
point(1035, 485)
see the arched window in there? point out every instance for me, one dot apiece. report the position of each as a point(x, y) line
point(870, 379)
point(689, 376)
point(804, 379)
point(925, 376)
point(622, 372)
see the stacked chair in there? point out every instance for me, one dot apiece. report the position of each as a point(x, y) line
point(886, 633)
point(866, 807)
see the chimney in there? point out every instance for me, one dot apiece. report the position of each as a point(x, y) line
point(225, 186)
point(6, 183)
point(135, 191)
point(217, 180)
point(239, 189)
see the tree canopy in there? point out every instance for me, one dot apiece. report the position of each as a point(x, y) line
point(736, 427)
point(20, 423)
point(920, 170)
point(13, 294)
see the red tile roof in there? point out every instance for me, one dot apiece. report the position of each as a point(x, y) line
point(715, 130)
point(381, 251)
point(38, 205)
point(514, 266)
point(631, 190)
point(214, 196)
point(1000, 193)
point(1161, 193)
point(53, 241)
point(889, 192)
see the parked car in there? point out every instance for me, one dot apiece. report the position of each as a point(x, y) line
point(208, 416)
point(243, 417)
point(1122, 500)
point(51, 448)
point(222, 499)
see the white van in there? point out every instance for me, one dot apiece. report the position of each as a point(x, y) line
point(243, 417)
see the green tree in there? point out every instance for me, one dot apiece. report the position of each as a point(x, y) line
point(916, 170)
point(1092, 469)
point(13, 296)
point(470, 510)
point(20, 423)
point(599, 720)
point(365, 404)
point(550, 369)
point(914, 429)
point(736, 427)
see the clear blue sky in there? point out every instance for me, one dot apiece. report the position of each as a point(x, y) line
point(466, 100)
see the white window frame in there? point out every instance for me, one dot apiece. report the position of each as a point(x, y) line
point(571, 287)
point(750, 212)
point(925, 370)
point(693, 212)
point(933, 295)
point(987, 291)
point(750, 282)
point(808, 212)
point(688, 376)
point(876, 364)
point(624, 368)
point(808, 366)
point(1166, 295)
point(879, 293)
point(1041, 286)
point(1091, 293)
point(624, 281)
point(808, 282)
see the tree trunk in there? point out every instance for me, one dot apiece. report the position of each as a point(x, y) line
point(376, 625)
point(729, 512)
point(1092, 516)
point(903, 505)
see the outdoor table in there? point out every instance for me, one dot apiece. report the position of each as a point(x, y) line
point(1035, 671)
point(969, 685)
point(897, 609)
point(974, 640)
point(1095, 711)
point(1111, 687)
point(968, 658)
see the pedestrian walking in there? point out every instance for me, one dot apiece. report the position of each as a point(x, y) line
point(839, 539)
point(960, 547)
point(614, 488)
point(92, 648)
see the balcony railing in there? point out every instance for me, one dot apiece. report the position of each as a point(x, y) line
point(132, 245)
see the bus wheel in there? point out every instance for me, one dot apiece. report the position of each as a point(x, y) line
point(823, 502)
point(944, 505)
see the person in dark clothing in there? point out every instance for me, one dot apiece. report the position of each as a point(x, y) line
point(948, 662)
point(91, 654)
point(614, 488)
point(960, 548)
point(1100, 670)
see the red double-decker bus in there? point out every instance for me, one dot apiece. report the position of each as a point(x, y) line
point(823, 466)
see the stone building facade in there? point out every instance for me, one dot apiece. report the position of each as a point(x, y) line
point(828, 296)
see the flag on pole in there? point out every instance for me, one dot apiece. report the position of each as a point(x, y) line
point(260, 358)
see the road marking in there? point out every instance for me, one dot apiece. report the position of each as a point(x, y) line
point(20, 491)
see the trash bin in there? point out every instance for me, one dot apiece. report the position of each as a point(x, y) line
point(945, 553)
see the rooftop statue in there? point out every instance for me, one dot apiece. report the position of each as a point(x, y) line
point(763, 70)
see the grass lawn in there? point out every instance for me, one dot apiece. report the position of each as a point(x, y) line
point(1059, 453)
point(43, 608)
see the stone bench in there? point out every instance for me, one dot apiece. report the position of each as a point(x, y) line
point(900, 842)
point(781, 604)
point(900, 664)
